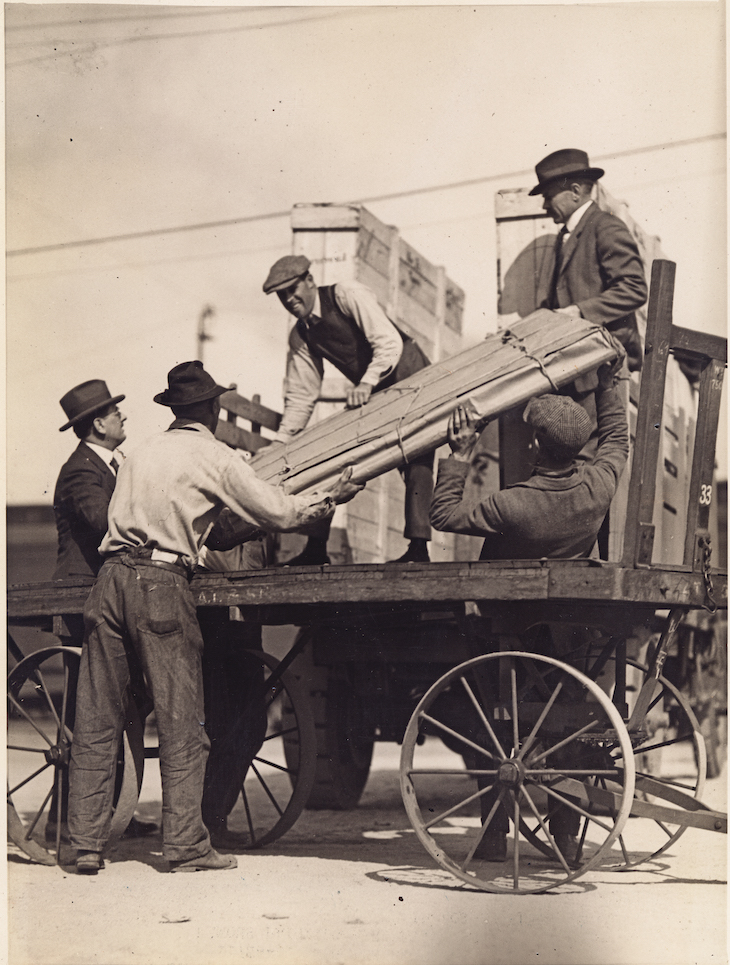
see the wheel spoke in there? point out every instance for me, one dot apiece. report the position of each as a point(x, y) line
point(574, 807)
point(453, 733)
point(515, 713)
point(457, 807)
point(564, 743)
point(22, 711)
point(31, 827)
point(482, 716)
point(27, 780)
point(543, 824)
point(248, 815)
point(532, 736)
point(266, 788)
point(281, 733)
point(483, 829)
point(279, 767)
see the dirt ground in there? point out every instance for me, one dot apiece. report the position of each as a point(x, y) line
point(357, 888)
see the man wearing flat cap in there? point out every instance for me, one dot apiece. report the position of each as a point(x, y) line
point(176, 492)
point(345, 325)
point(556, 513)
point(597, 272)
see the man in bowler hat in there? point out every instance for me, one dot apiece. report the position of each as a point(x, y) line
point(80, 503)
point(178, 491)
point(344, 324)
point(597, 272)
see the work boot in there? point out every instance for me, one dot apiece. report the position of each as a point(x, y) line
point(313, 554)
point(89, 863)
point(212, 861)
point(417, 552)
point(567, 844)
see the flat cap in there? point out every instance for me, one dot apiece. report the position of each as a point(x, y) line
point(286, 271)
point(560, 421)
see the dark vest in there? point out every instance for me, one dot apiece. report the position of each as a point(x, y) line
point(339, 339)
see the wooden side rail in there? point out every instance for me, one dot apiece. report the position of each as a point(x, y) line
point(708, 354)
point(236, 406)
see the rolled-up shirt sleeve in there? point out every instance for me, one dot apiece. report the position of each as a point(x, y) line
point(302, 385)
point(253, 505)
point(360, 303)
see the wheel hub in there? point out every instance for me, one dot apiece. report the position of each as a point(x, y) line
point(511, 773)
point(59, 754)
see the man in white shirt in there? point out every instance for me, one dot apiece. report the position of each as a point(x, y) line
point(345, 325)
point(176, 492)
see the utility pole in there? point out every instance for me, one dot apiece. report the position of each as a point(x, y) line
point(203, 336)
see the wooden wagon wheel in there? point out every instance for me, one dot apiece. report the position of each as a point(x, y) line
point(670, 760)
point(541, 734)
point(282, 771)
point(41, 692)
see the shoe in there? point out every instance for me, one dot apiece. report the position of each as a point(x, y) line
point(492, 847)
point(89, 863)
point(567, 844)
point(310, 556)
point(212, 861)
point(417, 552)
point(140, 829)
point(224, 840)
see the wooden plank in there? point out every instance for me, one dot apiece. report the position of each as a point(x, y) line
point(239, 438)
point(699, 343)
point(639, 533)
point(247, 409)
point(325, 217)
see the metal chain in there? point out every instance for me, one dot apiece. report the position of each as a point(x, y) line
point(705, 545)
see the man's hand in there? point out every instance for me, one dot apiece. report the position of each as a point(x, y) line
point(358, 395)
point(462, 434)
point(344, 490)
point(609, 372)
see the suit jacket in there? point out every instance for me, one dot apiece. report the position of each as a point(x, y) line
point(80, 503)
point(602, 273)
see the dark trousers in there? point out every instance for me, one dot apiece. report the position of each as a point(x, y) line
point(235, 710)
point(140, 616)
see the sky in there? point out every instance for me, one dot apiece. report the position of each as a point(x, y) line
point(150, 121)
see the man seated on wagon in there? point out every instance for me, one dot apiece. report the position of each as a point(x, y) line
point(555, 514)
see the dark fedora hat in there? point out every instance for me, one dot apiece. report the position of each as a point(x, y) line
point(562, 165)
point(86, 399)
point(285, 272)
point(188, 383)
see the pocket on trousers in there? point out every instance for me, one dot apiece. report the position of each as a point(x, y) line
point(162, 605)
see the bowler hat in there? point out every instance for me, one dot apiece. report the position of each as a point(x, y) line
point(560, 421)
point(561, 165)
point(86, 399)
point(285, 272)
point(188, 383)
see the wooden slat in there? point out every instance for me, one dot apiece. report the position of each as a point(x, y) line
point(239, 438)
point(253, 411)
point(699, 343)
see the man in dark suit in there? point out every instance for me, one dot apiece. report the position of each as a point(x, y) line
point(597, 272)
point(86, 481)
point(80, 503)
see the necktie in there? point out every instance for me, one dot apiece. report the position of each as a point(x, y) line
point(114, 465)
point(553, 299)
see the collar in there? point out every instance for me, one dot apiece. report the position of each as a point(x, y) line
point(572, 223)
point(191, 425)
point(555, 473)
point(107, 454)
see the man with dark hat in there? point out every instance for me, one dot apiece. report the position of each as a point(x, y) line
point(344, 324)
point(556, 513)
point(176, 492)
point(86, 481)
point(596, 272)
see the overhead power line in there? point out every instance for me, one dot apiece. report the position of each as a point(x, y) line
point(503, 176)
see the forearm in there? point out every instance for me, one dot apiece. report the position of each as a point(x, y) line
point(301, 389)
point(450, 512)
point(613, 429)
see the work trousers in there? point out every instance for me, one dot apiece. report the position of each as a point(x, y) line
point(235, 709)
point(140, 615)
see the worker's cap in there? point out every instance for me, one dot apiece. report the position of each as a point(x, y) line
point(188, 383)
point(85, 400)
point(563, 166)
point(559, 421)
point(285, 272)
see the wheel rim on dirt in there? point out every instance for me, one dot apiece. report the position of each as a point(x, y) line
point(537, 741)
